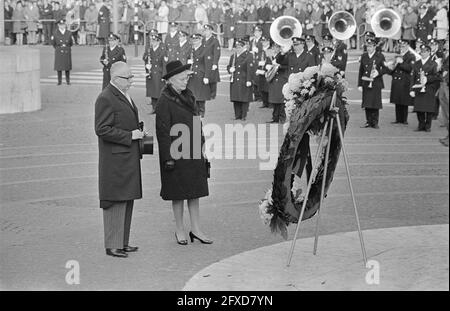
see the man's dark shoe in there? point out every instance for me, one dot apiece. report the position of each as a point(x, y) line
point(375, 126)
point(130, 249)
point(116, 252)
point(427, 130)
point(365, 125)
point(395, 122)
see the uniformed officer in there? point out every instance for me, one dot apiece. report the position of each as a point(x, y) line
point(198, 82)
point(241, 67)
point(437, 56)
point(370, 82)
point(312, 48)
point(327, 40)
point(62, 42)
point(112, 52)
point(172, 42)
point(276, 98)
point(371, 35)
point(104, 23)
point(340, 56)
point(260, 72)
point(424, 86)
point(256, 49)
point(425, 24)
point(327, 54)
point(183, 52)
point(154, 62)
point(298, 58)
point(400, 69)
point(212, 47)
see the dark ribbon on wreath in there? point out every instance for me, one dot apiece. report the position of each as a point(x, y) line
point(295, 155)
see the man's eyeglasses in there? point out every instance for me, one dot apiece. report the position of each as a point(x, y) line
point(128, 78)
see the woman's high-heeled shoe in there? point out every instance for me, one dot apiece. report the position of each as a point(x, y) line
point(204, 241)
point(181, 242)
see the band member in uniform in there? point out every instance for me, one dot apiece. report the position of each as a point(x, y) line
point(154, 61)
point(298, 58)
point(172, 42)
point(212, 46)
point(327, 41)
point(112, 53)
point(400, 69)
point(256, 50)
point(443, 91)
point(260, 73)
point(424, 86)
point(425, 24)
point(370, 82)
point(340, 56)
point(104, 23)
point(62, 42)
point(241, 68)
point(327, 54)
point(183, 52)
point(436, 56)
point(312, 49)
point(198, 82)
point(276, 98)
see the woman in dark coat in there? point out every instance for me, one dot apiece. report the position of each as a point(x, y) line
point(184, 168)
point(241, 68)
point(425, 83)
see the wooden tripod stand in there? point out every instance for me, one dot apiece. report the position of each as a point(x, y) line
point(328, 127)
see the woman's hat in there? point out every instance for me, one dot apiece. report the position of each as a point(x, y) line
point(175, 67)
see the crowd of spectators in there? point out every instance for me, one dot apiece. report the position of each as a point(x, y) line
point(232, 19)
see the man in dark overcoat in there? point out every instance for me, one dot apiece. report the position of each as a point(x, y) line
point(370, 82)
point(62, 42)
point(241, 67)
point(400, 70)
point(199, 82)
point(212, 47)
point(112, 52)
point(340, 56)
point(154, 63)
point(425, 83)
point(119, 169)
point(183, 168)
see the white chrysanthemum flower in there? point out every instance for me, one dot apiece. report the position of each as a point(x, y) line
point(310, 72)
point(328, 70)
point(295, 81)
point(287, 92)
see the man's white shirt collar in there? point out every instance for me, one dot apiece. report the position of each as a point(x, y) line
point(124, 94)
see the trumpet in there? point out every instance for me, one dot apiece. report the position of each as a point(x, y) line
point(233, 66)
point(423, 81)
point(149, 62)
point(372, 73)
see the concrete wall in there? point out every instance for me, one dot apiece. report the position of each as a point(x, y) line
point(20, 89)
